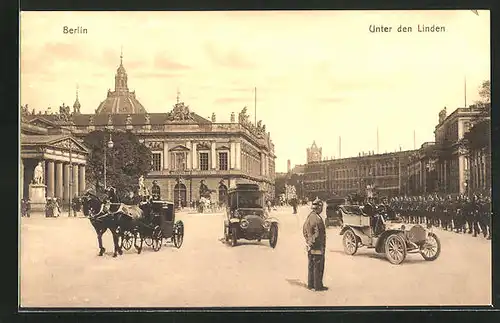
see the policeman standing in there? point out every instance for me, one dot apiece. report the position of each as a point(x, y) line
point(315, 236)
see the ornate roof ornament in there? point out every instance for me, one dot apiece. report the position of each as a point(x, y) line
point(180, 112)
point(64, 113)
point(147, 119)
point(128, 121)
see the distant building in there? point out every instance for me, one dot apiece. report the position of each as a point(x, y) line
point(314, 154)
point(387, 173)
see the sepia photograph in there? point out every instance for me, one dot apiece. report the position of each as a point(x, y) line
point(246, 159)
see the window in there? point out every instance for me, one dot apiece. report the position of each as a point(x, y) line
point(223, 161)
point(156, 162)
point(203, 161)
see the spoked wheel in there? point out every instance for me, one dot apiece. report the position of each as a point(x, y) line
point(350, 242)
point(273, 235)
point(178, 236)
point(138, 242)
point(395, 249)
point(431, 249)
point(234, 237)
point(157, 238)
point(127, 240)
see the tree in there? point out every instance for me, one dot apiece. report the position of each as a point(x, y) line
point(478, 136)
point(126, 161)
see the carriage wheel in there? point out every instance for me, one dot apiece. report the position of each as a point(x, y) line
point(138, 237)
point(157, 238)
point(178, 236)
point(127, 240)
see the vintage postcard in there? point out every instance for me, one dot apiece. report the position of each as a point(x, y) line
point(255, 158)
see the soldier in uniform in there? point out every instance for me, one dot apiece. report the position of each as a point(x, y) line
point(315, 236)
point(155, 191)
point(459, 220)
point(486, 217)
point(475, 215)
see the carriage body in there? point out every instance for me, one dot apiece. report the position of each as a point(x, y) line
point(246, 217)
point(158, 225)
point(395, 239)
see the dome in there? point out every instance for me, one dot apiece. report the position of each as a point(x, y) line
point(120, 103)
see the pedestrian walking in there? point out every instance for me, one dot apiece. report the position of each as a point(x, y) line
point(315, 235)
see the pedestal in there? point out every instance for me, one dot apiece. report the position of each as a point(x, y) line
point(37, 199)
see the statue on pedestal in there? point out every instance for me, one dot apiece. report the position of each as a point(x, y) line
point(233, 118)
point(128, 121)
point(38, 174)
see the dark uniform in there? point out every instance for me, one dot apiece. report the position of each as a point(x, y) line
point(315, 236)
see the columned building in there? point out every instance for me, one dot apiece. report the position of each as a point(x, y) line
point(186, 148)
point(453, 169)
point(62, 156)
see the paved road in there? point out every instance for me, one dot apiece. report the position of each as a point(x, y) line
point(60, 267)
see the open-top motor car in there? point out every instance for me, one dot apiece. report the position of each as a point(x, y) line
point(387, 234)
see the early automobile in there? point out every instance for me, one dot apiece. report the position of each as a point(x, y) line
point(365, 226)
point(158, 225)
point(246, 216)
point(333, 214)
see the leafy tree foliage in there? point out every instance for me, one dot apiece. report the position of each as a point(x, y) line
point(479, 135)
point(126, 161)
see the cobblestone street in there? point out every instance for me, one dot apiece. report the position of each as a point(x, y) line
point(59, 267)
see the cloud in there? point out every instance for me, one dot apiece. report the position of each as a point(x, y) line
point(155, 75)
point(330, 100)
point(228, 100)
point(163, 62)
point(231, 58)
point(41, 60)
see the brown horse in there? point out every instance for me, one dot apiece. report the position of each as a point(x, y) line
point(102, 220)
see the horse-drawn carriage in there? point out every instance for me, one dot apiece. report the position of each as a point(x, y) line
point(158, 224)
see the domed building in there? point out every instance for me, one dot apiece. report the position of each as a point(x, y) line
point(121, 100)
point(186, 148)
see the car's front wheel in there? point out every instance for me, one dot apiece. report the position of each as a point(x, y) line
point(234, 237)
point(273, 235)
point(395, 249)
point(431, 249)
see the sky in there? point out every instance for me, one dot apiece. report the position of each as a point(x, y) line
point(320, 75)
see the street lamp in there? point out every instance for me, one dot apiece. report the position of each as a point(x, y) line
point(109, 145)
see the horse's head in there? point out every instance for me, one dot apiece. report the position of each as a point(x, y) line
point(91, 204)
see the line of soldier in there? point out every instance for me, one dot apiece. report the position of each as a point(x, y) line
point(462, 214)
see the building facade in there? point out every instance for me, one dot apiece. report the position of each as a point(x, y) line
point(186, 148)
point(62, 156)
point(386, 173)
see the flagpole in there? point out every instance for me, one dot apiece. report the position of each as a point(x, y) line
point(255, 105)
point(465, 91)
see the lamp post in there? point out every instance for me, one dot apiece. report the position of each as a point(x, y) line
point(109, 145)
point(70, 180)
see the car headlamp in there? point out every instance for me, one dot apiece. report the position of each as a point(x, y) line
point(244, 224)
point(267, 224)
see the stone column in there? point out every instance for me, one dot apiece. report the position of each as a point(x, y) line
point(238, 156)
point(75, 188)
point(165, 155)
point(263, 164)
point(81, 180)
point(66, 177)
point(461, 174)
point(195, 156)
point(213, 155)
point(189, 154)
point(232, 157)
point(445, 178)
point(59, 180)
point(50, 178)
